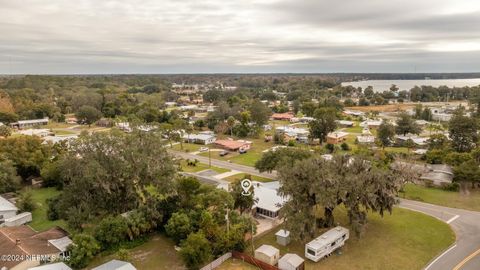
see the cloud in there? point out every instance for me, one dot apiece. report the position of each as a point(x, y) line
point(168, 36)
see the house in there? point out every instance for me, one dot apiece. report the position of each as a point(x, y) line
point(17, 220)
point(420, 141)
point(283, 237)
point(36, 132)
point(268, 202)
point(336, 137)
point(354, 113)
point(267, 254)
point(345, 123)
point(443, 117)
point(36, 246)
point(115, 265)
point(58, 139)
point(291, 261)
point(437, 174)
point(71, 120)
point(326, 243)
point(170, 104)
point(21, 124)
point(365, 139)
point(52, 266)
point(282, 116)
point(232, 145)
point(421, 122)
point(292, 133)
point(199, 138)
point(371, 123)
point(7, 209)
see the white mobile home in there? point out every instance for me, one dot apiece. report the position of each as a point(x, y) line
point(18, 220)
point(326, 243)
point(7, 210)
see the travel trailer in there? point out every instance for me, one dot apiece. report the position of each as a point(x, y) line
point(326, 243)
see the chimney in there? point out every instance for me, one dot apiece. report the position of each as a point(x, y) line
point(17, 242)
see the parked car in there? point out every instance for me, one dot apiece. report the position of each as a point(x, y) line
point(223, 153)
point(242, 151)
point(203, 149)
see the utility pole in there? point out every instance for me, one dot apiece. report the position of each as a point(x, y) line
point(228, 221)
point(209, 158)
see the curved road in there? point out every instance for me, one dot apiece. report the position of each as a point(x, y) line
point(463, 255)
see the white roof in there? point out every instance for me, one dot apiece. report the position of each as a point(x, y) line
point(33, 121)
point(35, 132)
point(337, 134)
point(1, 124)
point(52, 266)
point(366, 139)
point(283, 233)
point(371, 123)
point(5, 205)
point(268, 250)
point(328, 237)
point(61, 243)
point(288, 129)
point(19, 216)
point(345, 122)
point(292, 259)
point(202, 137)
point(115, 265)
point(268, 198)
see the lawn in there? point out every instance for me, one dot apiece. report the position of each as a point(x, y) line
point(39, 214)
point(187, 147)
point(156, 253)
point(404, 240)
point(60, 132)
point(249, 158)
point(443, 197)
point(241, 176)
point(355, 129)
point(200, 167)
point(236, 264)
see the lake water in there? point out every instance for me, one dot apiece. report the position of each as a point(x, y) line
point(383, 85)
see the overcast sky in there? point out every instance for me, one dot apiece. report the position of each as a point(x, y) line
point(204, 36)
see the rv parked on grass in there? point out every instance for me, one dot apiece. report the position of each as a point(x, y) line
point(326, 243)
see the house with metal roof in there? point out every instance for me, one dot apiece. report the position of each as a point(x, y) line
point(291, 261)
point(115, 265)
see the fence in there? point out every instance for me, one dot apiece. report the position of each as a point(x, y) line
point(251, 260)
point(216, 263)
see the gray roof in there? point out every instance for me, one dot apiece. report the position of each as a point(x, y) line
point(328, 237)
point(268, 250)
point(52, 266)
point(292, 259)
point(61, 243)
point(115, 265)
point(5, 205)
point(283, 233)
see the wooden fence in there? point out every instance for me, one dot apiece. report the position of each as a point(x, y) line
point(251, 260)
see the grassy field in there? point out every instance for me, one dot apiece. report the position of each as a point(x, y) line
point(39, 215)
point(404, 240)
point(157, 253)
point(442, 197)
point(249, 158)
point(60, 132)
point(241, 176)
point(187, 147)
point(236, 264)
point(200, 167)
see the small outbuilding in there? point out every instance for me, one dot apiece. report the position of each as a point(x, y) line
point(283, 237)
point(267, 254)
point(115, 265)
point(18, 220)
point(291, 261)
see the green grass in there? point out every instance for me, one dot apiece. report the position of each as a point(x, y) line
point(354, 129)
point(249, 158)
point(241, 176)
point(200, 167)
point(187, 147)
point(405, 240)
point(40, 221)
point(156, 253)
point(443, 197)
point(60, 132)
point(236, 264)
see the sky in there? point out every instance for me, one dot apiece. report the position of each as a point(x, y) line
point(241, 36)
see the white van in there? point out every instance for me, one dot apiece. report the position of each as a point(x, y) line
point(326, 243)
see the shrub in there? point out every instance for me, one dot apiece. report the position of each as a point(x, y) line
point(25, 202)
point(111, 232)
point(196, 250)
point(330, 147)
point(451, 187)
point(53, 208)
point(291, 143)
point(345, 146)
point(83, 250)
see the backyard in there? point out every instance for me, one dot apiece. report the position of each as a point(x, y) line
point(40, 221)
point(404, 240)
point(157, 253)
point(438, 196)
point(242, 176)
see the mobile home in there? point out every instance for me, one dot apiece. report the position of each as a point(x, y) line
point(326, 243)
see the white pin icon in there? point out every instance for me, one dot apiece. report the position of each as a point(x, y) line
point(246, 185)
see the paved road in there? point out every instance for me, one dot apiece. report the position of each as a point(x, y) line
point(224, 164)
point(463, 255)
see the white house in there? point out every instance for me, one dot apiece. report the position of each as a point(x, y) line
point(18, 220)
point(365, 139)
point(268, 202)
point(345, 123)
point(7, 209)
point(326, 243)
point(199, 138)
point(43, 132)
point(444, 117)
point(291, 261)
point(29, 123)
point(115, 265)
point(371, 123)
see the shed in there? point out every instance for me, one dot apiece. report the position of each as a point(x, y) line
point(283, 237)
point(291, 261)
point(267, 254)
